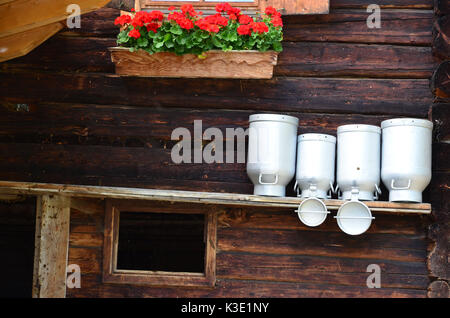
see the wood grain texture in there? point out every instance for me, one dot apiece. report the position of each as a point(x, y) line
point(440, 81)
point(315, 59)
point(439, 289)
point(242, 289)
point(297, 6)
point(217, 64)
point(441, 7)
point(22, 43)
point(51, 246)
point(44, 12)
point(441, 37)
point(208, 198)
point(340, 95)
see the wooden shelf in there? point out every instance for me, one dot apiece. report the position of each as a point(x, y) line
point(225, 199)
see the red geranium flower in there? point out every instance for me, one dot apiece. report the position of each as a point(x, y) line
point(153, 27)
point(156, 15)
point(259, 27)
point(223, 7)
point(171, 8)
point(245, 19)
point(188, 9)
point(122, 20)
point(185, 23)
point(134, 34)
point(235, 11)
point(271, 11)
point(277, 21)
point(244, 29)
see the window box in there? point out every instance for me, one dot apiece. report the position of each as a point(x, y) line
point(217, 64)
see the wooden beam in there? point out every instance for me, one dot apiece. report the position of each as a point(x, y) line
point(22, 43)
point(22, 15)
point(213, 198)
point(51, 246)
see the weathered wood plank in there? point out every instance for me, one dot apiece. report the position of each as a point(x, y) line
point(337, 59)
point(405, 4)
point(227, 199)
point(440, 113)
point(440, 81)
point(275, 219)
point(127, 126)
point(441, 7)
point(51, 246)
point(370, 246)
point(411, 27)
point(85, 239)
point(88, 54)
point(320, 270)
point(239, 289)
point(89, 259)
point(439, 289)
point(381, 96)
point(67, 54)
point(437, 260)
point(441, 34)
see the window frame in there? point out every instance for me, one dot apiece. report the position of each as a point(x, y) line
point(155, 278)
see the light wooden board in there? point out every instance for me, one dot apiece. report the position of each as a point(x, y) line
point(217, 64)
point(228, 199)
point(22, 43)
point(51, 246)
point(22, 15)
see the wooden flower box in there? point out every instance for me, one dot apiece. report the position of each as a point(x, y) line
point(217, 64)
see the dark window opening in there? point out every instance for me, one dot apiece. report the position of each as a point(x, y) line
point(161, 242)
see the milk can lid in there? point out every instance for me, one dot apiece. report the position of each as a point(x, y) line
point(407, 122)
point(274, 117)
point(316, 137)
point(354, 217)
point(359, 127)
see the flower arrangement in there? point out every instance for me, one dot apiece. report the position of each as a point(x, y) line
point(187, 31)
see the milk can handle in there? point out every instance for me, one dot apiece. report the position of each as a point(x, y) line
point(331, 191)
point(400, 188)
point(297, 188)
point(268, 183)
point(377, 192)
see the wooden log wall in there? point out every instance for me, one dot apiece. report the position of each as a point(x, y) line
point(439, 231)
point(67, 118)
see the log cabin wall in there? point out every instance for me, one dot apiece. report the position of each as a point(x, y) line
point(67, 118)
point(439, 230)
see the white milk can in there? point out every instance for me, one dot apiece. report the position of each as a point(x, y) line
point(358, 161)
point(315, 165)
point(271, 153)
point(406, 158)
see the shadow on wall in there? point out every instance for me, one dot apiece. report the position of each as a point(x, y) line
point(17, 226)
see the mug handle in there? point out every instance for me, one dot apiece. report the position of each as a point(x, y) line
point(268, 174)
point(400, 188)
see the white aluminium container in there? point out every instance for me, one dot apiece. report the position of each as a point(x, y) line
point(354, 217)
point(406, 158)
point(271, 152)
point(358, 161)
point(315, 165)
